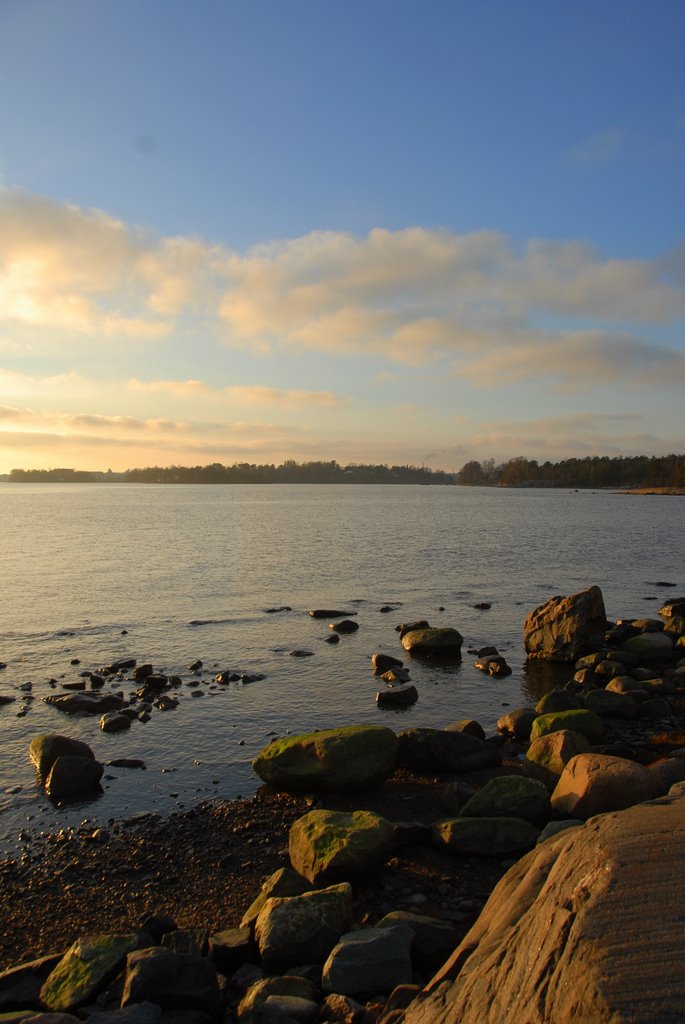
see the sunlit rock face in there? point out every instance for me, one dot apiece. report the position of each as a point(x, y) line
point(565, 628)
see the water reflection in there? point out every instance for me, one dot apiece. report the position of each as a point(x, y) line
point(539, 677)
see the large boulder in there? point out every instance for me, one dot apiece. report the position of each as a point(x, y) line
point(650, 646)
point(85, 970)
point(484, 837)
point(331, 846)
point(442, 751)
point(431, 641)
point(565, 628)
point(596, 783)
point(294, 930)
point(548, 755)
point(510, 796)
point(45, 749)
point(334, 760)
point(369, 960)
point(582, 929)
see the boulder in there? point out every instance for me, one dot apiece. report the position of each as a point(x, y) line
point(250, 1009)
point(292, 930)
point(439, 751)
point(328, 613)
point(334, 760)
point(609, 704)
point(468, 725)
point(346, 626)
point(596, 783)
point(331, 846)
point(383, 662)
point(72, 776)
point(369, 961)
point(650, 646)
point(565, 628)
point(585, 722)
point(174, 981)
point(231, 948)
point(510, 796)
point(439, 640)
point(20, 986)
point(397, 697)
point(485, 837)
point(283, 882)
point(558, 700)
point(44, 751)
point(517, 723)
point(582, 929)
point(114, 721)
point(548, 755)
point(85, 970)
point(434, 939)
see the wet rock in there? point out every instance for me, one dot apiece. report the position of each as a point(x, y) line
point(407, 627)
point(333, 638)
point(142, 672)
point(45, 749)
point(346, 626)
point(302, 929)
point(493, 665)
point(371, 960)
point(301, 653)
point(332, 846)
point(88, 703)
point(275, 611)
point(113, 721)
point(384, 662)
point(565, 628)
point(397, 697)
point(333, 760)
point(5, 699)
point(432, 641)
point(326, 613)
point(72, 776)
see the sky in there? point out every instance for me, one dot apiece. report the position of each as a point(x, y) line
point(374, 231)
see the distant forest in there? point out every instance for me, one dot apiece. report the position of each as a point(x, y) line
point(593, 471)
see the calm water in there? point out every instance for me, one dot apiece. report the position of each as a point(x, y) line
point(81, 564)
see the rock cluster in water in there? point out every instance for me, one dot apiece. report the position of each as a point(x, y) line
point(296, 955)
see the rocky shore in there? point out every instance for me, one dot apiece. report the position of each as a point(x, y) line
point(375, 854)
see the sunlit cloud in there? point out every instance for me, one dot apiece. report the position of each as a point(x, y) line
point(255, 394)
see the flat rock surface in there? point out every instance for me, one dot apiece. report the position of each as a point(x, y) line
point(586, 928)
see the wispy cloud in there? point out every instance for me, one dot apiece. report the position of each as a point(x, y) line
point(600, 147)
point(248, 394)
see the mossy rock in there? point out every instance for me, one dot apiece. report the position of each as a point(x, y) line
point(437, 640)
point(510, 796)
point(85, 970)
point(485, 837)
point(330, 846)
point(301, 929)
point(587, 723)
point(342, 760)
point(548, 755)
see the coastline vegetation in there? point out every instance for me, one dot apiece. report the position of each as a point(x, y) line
point(631, 472)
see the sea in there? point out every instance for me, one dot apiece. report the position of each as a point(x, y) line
point(169, 575)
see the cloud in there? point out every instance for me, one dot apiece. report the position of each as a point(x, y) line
point(579, 360)
point(599, 148)
point(411, 296)
point(255, 394)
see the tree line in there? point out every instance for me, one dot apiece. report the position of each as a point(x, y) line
point(289, 472)
point(592, 471)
